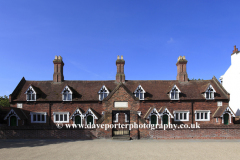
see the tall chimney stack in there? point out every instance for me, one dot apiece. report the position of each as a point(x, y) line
point(58, 69)
point(120, 76)
point(182, 69)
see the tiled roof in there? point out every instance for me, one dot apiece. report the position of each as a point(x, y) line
point(220, 111)
point(88, 90)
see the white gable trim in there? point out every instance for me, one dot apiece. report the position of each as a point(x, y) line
point(227, 110)
point(90, 112)
point(77, 113)
point(210, 86)
point(175, 86)
point(66, 88)
point(30, 88)
point(103, 87)
point(100, 93)
point(166, 112)
point(13, 114)
point(154, 112)
point(138, 88)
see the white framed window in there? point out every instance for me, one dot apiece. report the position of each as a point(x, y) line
point(38, 117)
point(19, 105)
point(31, 94)
point(126, 118)
point(61, 117)
point(217, 120)
point(139, 92)
point(181, 115)
point(174, 93)
point(67, 94)
point(219, 103)
point(116, 117)
point(103, 93)
point(203, 115)
point(209, 93)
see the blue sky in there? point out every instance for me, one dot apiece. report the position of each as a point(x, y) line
point(150, 34)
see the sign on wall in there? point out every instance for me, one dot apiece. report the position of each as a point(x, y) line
point(121, 104)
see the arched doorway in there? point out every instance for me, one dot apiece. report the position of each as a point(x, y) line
point(77, 120)
point(153, 119)
point(165, 119)
point(13, 121)
point(226, 118)
point(90, 119)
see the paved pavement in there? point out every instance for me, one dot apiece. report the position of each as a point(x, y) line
point(113, 149)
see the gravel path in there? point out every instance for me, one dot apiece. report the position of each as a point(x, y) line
point(113, 149)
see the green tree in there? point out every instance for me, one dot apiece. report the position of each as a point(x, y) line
point(4, 101)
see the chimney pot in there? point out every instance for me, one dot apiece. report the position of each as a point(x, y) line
point(121, 57)
point(117, 57)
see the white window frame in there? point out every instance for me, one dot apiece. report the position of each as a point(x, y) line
point(176, 93)
point(211, 93)
point(38, 113)
point(181, 120)
point(19, 105)
point(67, 94)
point(126, 118)
point(102, 92)
point(116, 116)
point(140, 91)
point(59, 113)
point(219, 103)
point(90, 113)
point(154, 112)
point(33, 94)
point(204, 112)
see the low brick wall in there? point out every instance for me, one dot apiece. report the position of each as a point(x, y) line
point(207, 132)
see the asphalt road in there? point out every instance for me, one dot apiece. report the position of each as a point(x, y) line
point(113, 149)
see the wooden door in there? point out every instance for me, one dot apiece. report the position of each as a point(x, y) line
point(122, 118)
point(77, 120)
point(226, 118)
point(165, 119)
point(13, 121)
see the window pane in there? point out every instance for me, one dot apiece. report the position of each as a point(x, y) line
point(137, 95)
point(212, 94)
point(65, 97)
point(28, 97)
point(177, 94)
point(207, 95)
point(206, 115)
point(180, 116)
point(57, 117)
point(105, 95)
point(38, 117)
point(172, 95)
point(61, 117)
point(65, 117)
point(197, 115)
point(141, 95)
point(176, 116)
point(69, 97)
point(34, 117)
point(201, 115)
point(43, 117)
point(33, 96)
point(185, 116)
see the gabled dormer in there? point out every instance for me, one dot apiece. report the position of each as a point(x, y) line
point(174, 93)
point(67, 94)
point(103, 93)
point(139, 92)
point(31, 94)
point(209, 93)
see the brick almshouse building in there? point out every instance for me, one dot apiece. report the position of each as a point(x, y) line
point(36, 104)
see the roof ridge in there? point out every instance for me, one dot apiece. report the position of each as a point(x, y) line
point(221, 87)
